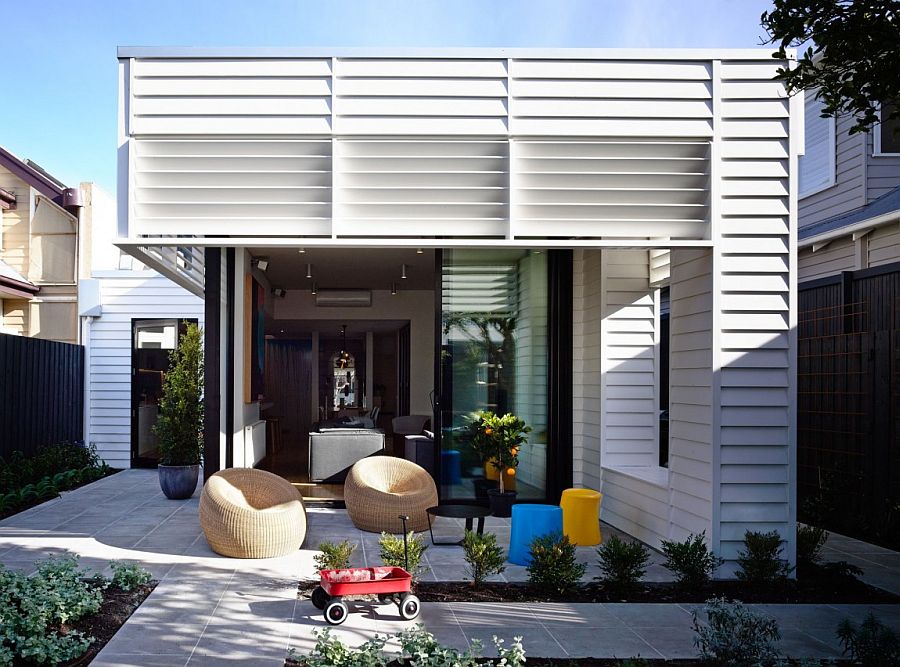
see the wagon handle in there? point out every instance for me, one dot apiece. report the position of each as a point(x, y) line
point(404, 519)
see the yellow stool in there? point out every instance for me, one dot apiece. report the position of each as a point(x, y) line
point(581, 516)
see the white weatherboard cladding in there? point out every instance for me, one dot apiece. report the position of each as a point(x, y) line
point(817, 165)
point(139, 295)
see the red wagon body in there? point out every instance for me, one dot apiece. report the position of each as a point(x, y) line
point(365, 581)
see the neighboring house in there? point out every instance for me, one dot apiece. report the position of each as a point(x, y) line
point(516, 225)
point(41, 252)
point(849, 327)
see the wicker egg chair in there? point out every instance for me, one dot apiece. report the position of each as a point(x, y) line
point(248, 513)
point(378, 489)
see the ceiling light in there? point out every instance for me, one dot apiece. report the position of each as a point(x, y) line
point(403, 271)
point(309, 270)
point(394, 289)
point(302, 251)
point(262, 263)
point(419, 251)
point(315, 288)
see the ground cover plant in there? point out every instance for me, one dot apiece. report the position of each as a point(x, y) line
point(334, 555)
point(483, 556)
point(26, 481)
point(734, 635)
point(691, 560)
point(554, 567)
point(60, 613)
point(418, 648)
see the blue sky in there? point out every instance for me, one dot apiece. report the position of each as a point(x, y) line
point(60, 55)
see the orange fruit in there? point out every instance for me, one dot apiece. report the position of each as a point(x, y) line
point(515, 451)
point(511, 471)
point(488, 431)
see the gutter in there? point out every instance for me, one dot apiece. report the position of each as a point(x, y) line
point(864, 225)
point(17, 288)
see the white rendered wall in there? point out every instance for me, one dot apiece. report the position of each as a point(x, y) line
point(125, 295)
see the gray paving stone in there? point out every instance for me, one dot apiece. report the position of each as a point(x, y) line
point(581, 642)
point(670, 642)
point(650, 615)
point(535, 640)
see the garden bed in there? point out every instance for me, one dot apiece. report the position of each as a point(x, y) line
point(117, 607)
point(620, 662)
point(814, 585)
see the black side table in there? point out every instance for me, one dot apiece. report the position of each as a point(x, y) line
point(458, 511)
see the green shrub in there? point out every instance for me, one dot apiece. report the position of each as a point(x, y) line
point(869, 644)
point(392, 552)
point(128, 576)
point(810, 541)
point(483, 556)
point(735, 635)
point(691, 560)
point(553, 567)
point(335, 555)
point(761, 562)
point(418, 648)
point(18, 470)
point(622, 564)
point(33, 609)
point(179, 426)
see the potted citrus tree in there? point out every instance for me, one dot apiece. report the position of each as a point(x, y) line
point(179, 427)
point(497, 440)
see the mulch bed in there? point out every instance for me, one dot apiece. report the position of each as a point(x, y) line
point(814, 585)
point(615, 662)
point(117, 607)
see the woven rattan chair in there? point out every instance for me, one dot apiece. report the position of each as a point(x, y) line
point(381, 488)
point(247, 513)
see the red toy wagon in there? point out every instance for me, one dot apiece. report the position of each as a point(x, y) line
point(390, 584)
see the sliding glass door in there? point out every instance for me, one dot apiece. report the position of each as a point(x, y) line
point(493, 356)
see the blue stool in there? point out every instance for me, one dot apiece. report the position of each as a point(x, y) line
point(451, 468)
point(529, 522)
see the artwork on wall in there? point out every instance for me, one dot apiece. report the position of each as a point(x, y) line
point(254, 333)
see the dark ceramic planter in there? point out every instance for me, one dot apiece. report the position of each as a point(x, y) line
point(501, 503)
point(178, 482)
point(481, 489)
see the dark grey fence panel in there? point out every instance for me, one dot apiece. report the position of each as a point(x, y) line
point(41, 393)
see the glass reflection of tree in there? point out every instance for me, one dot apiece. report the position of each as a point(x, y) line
point(490, 340)
point(343, 366)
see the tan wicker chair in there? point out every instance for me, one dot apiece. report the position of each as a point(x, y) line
point(247, 513)
point(381, 488)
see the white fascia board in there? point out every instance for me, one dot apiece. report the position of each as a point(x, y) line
point(128, 245)
point(854, 230)
point(459, 52)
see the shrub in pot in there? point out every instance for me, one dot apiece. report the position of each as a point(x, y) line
point(497, 441)
point(179, 427)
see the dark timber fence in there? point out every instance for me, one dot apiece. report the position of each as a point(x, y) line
point(848, 403)
point(41, 393)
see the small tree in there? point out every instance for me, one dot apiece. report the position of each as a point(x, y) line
point(179, 427)
point(498, 439)
point(483, 556)
point(691, 560)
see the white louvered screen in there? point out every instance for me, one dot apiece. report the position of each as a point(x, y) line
point(232, 187)
point(660, 266)
point(817, 165)
point(258, 96)
point(480, 289)
point(611, 189)
point(412, 96)
point(421, 188)
point(610, 98)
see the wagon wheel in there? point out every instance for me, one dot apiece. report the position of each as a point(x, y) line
point(319, 597)
point(336, 612)
point(410, 607)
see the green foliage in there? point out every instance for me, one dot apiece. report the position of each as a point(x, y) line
point(50, 487)
point(553, 567)
point(761, 562)
point(179, 427)
point(128, 576)
point(498, 439)
point(483, 556)
point(871, 643)
point(622, 564)
point(335, 555)
point(855, 56)
point(418, 648)
point(735, 636)
point(33, 609)
point(691, 560)
point(810, 541)
point(392, 551)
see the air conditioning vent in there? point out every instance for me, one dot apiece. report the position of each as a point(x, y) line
point(344, 298)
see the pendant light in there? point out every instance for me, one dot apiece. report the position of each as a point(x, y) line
point(403, 271)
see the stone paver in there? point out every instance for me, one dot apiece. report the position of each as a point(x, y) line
point(212, 610)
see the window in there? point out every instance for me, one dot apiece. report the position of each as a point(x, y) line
point(887, 133)
point(817, 163)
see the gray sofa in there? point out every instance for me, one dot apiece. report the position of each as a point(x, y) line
point(332, 452)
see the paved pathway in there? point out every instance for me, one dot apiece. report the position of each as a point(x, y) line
point(209, 609)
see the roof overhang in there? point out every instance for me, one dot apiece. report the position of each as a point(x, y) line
point(31, 176)
point(856, 229)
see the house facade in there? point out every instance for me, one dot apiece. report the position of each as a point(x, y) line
point(600, 241)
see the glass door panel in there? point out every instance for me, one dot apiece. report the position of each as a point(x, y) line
point(151, 342)
point(493, 357)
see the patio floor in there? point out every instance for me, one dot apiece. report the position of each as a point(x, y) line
point(208, 609)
